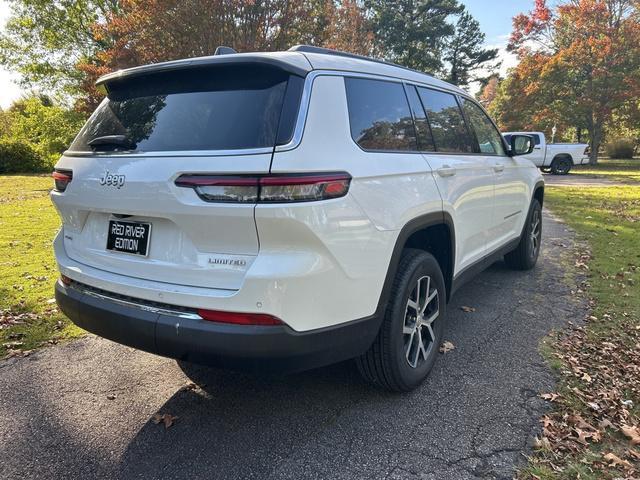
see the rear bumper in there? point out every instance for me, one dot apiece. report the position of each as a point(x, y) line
point(184, 336)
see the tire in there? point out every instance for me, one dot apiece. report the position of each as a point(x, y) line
point(525, 255)
point(395, 360)
point(561, 166)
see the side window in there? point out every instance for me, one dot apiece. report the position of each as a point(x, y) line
point(379, 115)
point(536, 139)
point(488, 137)
point(448, 126)
point(423, 131)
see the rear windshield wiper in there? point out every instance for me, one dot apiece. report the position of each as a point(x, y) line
point(113, 141)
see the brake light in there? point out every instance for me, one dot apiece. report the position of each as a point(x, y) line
point(61, 179)
point(280, 188)
point(239, 318)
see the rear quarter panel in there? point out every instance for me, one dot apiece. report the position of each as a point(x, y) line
point(352, 238)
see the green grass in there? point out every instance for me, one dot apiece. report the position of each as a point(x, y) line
point(28, 223)
point(607, 223)
point(619, 170)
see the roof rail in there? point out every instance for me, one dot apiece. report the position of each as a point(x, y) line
point(340, 53)
point(222, 50)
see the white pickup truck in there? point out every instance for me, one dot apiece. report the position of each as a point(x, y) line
point(557, 158)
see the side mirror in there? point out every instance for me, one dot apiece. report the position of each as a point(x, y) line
point(521, 145)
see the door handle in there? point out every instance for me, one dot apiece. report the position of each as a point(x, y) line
point(446, 171)
point(498, 168)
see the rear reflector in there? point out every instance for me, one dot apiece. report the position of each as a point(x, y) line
point(61, 179)
point(239, 318)
point(268, 188)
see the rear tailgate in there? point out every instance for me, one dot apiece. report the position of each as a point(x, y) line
point(180, 122)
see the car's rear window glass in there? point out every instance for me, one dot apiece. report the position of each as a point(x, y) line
point(448, 126)
point(379, 115)
point(198, 109)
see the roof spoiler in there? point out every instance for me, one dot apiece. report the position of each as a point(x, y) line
point(225, 56)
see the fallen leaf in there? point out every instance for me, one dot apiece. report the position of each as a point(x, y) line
point(111, 396)
point(549, 396)
point(632, 433)
point(615, 461)
point(165, 418)
point(467, 309)
point(446, 347)
point(634, 454)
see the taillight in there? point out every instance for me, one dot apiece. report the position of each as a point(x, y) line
point(279, 188)
point(239, 318)
point(61, 179)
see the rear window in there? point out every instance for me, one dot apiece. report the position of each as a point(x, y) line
point(448, 127)
point(379, 115)
point(199, 109)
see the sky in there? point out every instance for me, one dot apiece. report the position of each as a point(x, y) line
point(494, 17)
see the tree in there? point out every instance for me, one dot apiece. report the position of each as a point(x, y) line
point(412, 33)
point(489, 89)
point(464, 52)
point(150, 31)
point(580, 63)
point(43, 40)
point(40, 123)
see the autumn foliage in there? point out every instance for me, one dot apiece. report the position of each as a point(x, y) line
point(579, 65)
point(150, 31)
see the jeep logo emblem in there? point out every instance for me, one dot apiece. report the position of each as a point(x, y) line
point(112, 180)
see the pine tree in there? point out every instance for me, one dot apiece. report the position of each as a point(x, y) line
point(412, 32)
point(464, 53)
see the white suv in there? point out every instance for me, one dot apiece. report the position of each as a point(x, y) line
point(286, 211)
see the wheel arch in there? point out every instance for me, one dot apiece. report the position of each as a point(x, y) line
point(538, 192)
point(433, 233)
point(562, 156)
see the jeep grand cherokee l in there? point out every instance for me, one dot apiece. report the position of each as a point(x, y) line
point(286, 211)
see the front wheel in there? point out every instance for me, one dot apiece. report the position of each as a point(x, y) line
point(525, 255)
point(407, 344)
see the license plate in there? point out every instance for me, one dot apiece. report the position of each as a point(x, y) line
point(129, 237)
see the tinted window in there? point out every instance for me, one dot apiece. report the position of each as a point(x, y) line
point(449, 129)
point(379, 115)
point(488, 137)
point(536, 139)
point(200, 109)
point(423, 131)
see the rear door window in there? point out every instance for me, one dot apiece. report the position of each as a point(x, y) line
point(448, 126)
point(226, 108)
point(423, 131)
point(488, 137)
point(379, 115)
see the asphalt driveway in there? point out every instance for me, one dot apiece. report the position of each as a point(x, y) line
point(83, 410)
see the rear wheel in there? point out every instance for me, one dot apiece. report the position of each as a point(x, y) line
point(407, 344)
point(561, 166)
point(525, 255)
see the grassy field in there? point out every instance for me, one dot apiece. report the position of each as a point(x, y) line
point(621, 170)
point(596, 409)
point(28, 223)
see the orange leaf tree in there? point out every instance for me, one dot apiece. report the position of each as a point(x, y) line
point(150, 31)
point(579, 65)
